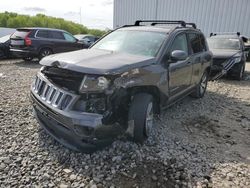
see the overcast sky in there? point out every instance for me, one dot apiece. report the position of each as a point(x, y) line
point(94, 13)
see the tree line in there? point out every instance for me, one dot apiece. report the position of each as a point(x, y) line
point(14, 20)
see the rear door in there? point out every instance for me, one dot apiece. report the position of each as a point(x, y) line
point(71, 42)
point(64, 42)
point(180, 72)
point(17, 39)
point(58, 41)
point(198, 55)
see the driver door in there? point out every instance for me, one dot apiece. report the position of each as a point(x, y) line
point(180, 72)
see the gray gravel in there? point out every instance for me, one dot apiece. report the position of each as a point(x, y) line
point(196, 143)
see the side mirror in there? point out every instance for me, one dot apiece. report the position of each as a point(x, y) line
point(178, 55)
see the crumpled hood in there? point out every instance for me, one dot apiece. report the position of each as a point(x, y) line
point(95, 61)
point(220, 53)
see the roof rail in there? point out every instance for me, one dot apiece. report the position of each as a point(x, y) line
point(192, 24)
point(154, 22)
point(225, 33)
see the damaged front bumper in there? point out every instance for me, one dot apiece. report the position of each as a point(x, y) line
point(80, 131)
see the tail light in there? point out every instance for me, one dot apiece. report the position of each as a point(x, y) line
point(27, 40)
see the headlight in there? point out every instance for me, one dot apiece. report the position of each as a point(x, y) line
point(93, 84)
point(103, 83)
point(237, 59)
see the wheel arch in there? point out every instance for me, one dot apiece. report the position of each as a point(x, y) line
point(152, 90)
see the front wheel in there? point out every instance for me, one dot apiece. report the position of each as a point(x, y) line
point(141, 113)
point(201, 88)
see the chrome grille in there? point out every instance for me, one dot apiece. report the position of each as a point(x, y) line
point(52, 95)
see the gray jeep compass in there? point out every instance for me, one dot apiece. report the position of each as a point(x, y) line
point(87, 98)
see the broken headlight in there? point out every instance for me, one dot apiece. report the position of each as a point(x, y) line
point(93, 84)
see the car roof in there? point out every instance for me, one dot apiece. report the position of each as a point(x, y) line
point(39, 28)
point(157, 28)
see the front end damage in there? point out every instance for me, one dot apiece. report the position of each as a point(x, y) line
point(83, 112)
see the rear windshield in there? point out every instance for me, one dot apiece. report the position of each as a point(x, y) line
point(20, 34)
point(224, 43)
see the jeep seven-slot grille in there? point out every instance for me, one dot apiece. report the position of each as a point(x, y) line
point(70, 80)
point(50, 94)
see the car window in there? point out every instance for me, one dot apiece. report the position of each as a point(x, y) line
point(42, 34)
point(56, 35)
point(180, 43)
point(203, 43)
point(69, 37)
point(145, 43)
point(92, 39)
point(195, 42)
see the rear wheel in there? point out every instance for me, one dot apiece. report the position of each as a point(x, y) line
point(141, 113)
point(27, 58)
point(201, 88)
point(44, 52)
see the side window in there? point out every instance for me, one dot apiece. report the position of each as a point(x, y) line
point(203, 43)
point(69, 37)
point(180, 43)
point(195, 42)
point(42, 34)
point(56, 35)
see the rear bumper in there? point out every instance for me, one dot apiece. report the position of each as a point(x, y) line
point(64, 128)
point(23, 53)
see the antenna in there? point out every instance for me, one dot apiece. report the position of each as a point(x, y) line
point(80, 14)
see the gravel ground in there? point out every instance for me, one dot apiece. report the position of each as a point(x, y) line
point(196, 143)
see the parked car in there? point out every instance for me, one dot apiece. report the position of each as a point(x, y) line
point(29, 43)
point(5, 46)
point(229, 55)
point(85, 99)
point(6, 31)
point(246, 41)
point(88, 40)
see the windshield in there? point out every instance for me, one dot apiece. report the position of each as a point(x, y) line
point(132, 42)
point(223, 43)
point(4, 39)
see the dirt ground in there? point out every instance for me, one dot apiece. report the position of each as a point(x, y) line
point(196, 143)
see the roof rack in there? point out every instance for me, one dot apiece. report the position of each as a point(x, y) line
point(192, 24)
point(155, 22)
point(225, 33)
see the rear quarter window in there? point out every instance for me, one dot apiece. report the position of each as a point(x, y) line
point(42, 34)
point(195, 42)
point(203, 43)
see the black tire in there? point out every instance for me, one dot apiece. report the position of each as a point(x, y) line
point(138, 112)
point(201, 88)
point(44, 52)
point(240, 73)
point(27, 58)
